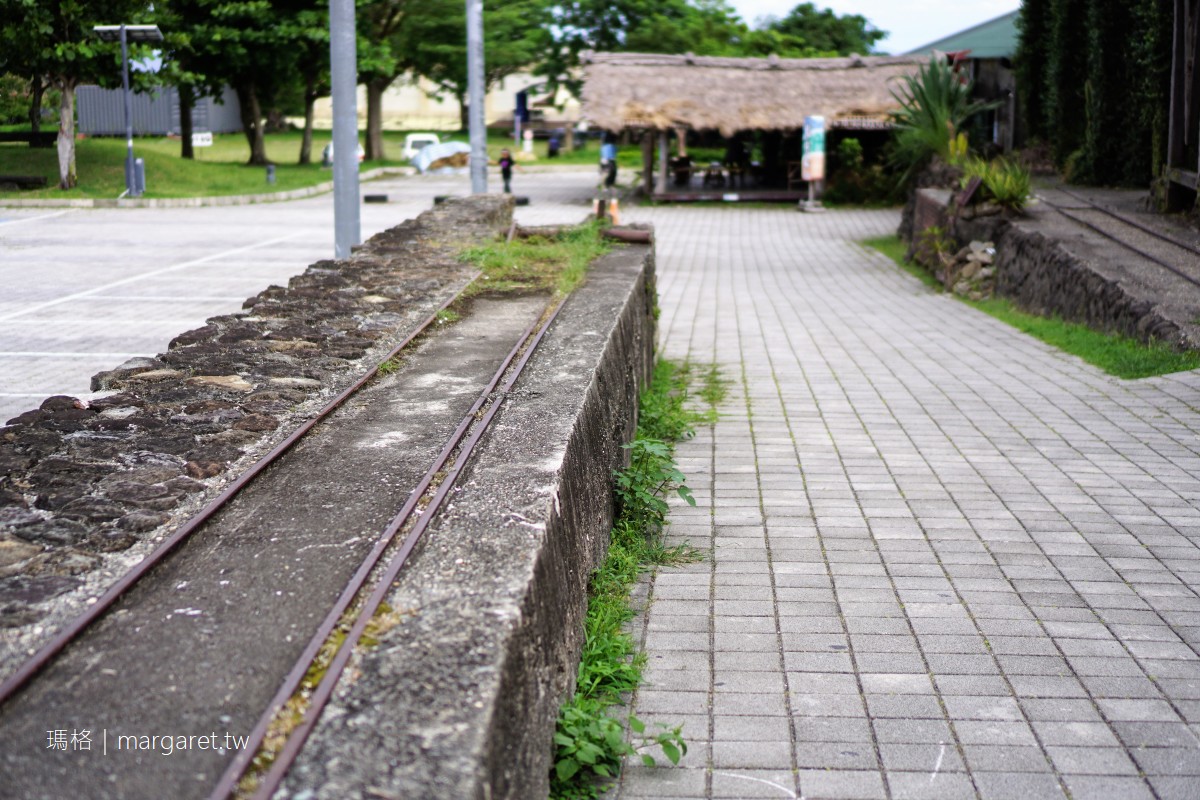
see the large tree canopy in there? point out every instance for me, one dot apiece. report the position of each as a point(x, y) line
point(53, 40)
point(826, 32)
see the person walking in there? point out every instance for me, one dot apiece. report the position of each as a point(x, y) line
point(608, 160)
point(506, 169)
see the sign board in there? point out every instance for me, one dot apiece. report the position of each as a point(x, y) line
point(812, 162)
point(202, 139)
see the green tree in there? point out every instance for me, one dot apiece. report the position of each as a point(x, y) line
point(1066, 77)
point(1033, 55)
point(513, 38)
point(53, 40)
point(250, 45)
point(187, 58)
point(383, 56)
point(825, 32)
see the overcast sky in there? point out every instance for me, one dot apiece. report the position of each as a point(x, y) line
point(910, 23)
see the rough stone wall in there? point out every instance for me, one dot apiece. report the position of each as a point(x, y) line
point(1042, 277)
point(80, 482)
point(459, 699)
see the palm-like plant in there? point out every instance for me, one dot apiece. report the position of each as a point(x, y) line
point(934, 105)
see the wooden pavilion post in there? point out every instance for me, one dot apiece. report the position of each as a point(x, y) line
point(1185, 97)
point(664, 148)
point(648, 162)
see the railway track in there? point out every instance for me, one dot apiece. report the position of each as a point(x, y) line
point(342, 624)
point(1183, 259)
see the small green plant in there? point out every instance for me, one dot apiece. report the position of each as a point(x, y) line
point(1005, 181)
point(389, 366)
point(935, 249)
point(640, 487)
point(447, 316)
point(590, 742)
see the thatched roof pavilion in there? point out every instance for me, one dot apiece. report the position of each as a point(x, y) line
point(661, 93)
point(731, 95)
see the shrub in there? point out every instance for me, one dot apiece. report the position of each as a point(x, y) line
point(1005, 181)
point(934, 106)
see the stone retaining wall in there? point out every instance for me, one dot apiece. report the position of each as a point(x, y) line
point(1042, 276)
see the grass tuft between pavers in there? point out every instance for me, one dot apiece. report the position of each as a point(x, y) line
point(1122, 356)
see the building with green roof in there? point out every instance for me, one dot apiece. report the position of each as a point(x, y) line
point(988, 49)
point(996, 38)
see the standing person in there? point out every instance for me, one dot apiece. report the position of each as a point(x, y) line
point(608, 160)
point(506, 168)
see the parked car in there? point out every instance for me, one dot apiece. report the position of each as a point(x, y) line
point(414, 142)
point(327, 155)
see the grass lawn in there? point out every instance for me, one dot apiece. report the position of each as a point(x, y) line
point(1117, 355)
point(220, 169)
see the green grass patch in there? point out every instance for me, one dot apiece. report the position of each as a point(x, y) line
point(895, 249)
point(1117, 355)
point(537, 264)
point(590, 742)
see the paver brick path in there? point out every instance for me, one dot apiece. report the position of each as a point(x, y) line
point(944, 560)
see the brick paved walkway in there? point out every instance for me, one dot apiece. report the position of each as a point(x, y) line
point(944, 560)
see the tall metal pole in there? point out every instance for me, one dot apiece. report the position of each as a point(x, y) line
point(130, 183)
point(479, 158)
point(347, 229)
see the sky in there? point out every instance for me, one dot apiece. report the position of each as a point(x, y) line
point(909, 23)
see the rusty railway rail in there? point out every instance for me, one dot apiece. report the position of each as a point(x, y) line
point(1193, 250)
point(448, 464)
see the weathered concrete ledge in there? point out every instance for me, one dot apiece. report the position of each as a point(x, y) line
point(1053, 267)
point(86, 489)
point(460, 696)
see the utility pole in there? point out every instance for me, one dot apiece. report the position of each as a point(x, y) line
point(479, 159)
point(347, 229)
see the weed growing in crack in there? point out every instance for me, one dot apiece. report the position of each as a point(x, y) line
point(590, 742)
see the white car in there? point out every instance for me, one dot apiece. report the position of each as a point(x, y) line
point(415, 142)
point(327, 155)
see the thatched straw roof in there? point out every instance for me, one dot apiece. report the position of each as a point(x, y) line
point(639, 90)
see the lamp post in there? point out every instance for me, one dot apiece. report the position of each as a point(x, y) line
point(125, 34)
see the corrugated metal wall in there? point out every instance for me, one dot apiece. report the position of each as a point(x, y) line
point(101, 112)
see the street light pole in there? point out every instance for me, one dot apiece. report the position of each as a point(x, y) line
point(479, 159)
point(130, 181)
point(347, 226)
point(125, 34)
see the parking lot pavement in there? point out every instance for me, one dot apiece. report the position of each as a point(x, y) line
point(942, 559)
point(85, 289)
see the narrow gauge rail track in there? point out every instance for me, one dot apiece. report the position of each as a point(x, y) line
point(1192, 250)
point(423, 501)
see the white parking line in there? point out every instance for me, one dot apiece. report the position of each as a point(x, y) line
point(144, 275)
point(40, 216)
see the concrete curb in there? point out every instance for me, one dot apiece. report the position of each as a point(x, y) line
point(460, 698)
point(199, 202)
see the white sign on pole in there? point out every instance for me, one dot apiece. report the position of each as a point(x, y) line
point(202, 139)
point(812, 164)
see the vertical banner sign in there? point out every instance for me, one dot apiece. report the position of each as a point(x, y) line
point(812, 162)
